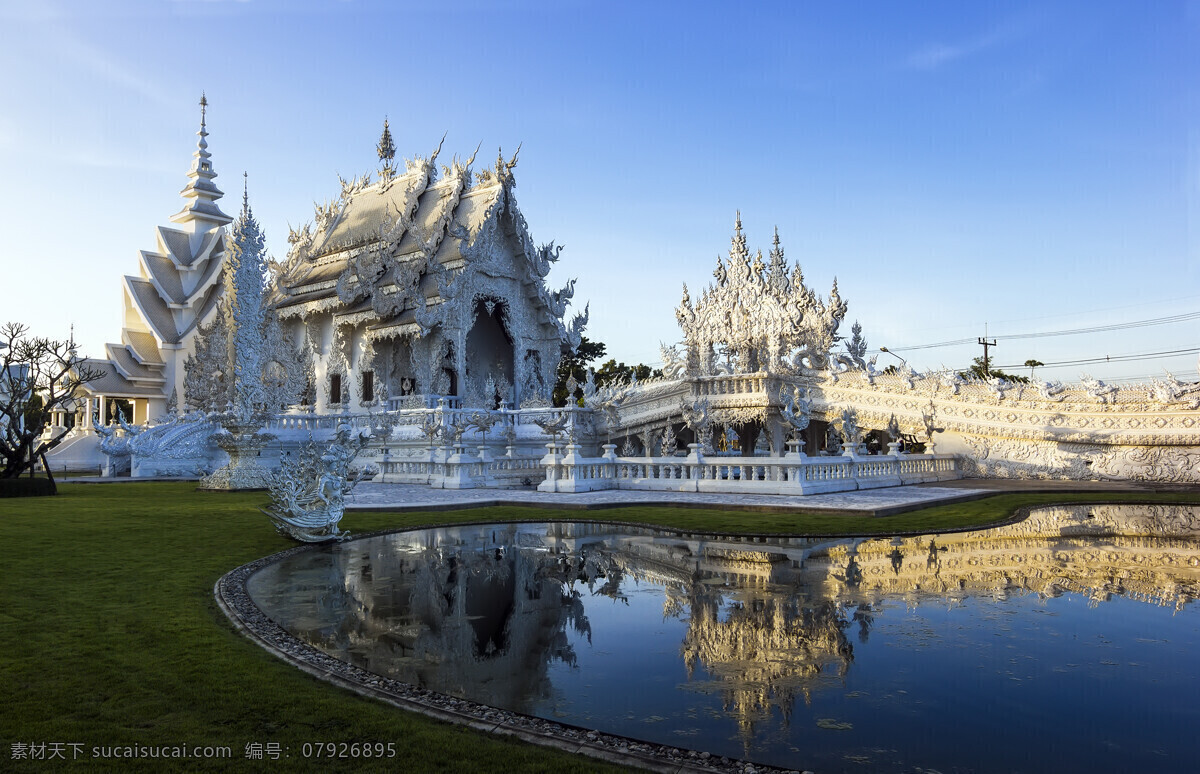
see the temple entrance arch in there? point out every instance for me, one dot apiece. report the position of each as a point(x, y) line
point(489, 355)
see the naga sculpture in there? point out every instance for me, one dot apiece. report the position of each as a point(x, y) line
point(851, 432)
point(797, 413)
point(309, 492)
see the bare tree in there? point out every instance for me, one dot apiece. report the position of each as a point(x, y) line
point(37, 377)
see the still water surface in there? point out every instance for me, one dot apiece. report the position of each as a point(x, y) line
point(1068, 642)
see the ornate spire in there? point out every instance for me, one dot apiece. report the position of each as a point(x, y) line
point(738, 252)
point(777, 274)
point(387, 152)
point(386, 148)
point(244, 303)
point(202, 194)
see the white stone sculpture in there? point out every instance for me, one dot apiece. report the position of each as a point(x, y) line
point(999, 386)
point(952, 379)
point(115, 444)
point(1054, 391)
point(1105, 393)
point(929, 420)
point(797, 413)
point(670, 444)
point(695, 415)
point(894, 435)
point(674, 364)
point(833, 441)
point(308, 494)
point(258, 373)
point(851, 432)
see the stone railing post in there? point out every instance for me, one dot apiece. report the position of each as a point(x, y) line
point(553, 463)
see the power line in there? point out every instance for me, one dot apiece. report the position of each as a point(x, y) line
point(1104, 328)
point(1068, 332)
point(1110, 358)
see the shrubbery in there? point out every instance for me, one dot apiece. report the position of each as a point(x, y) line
point(26, 487)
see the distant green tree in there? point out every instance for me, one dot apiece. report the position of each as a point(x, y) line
point(979, 372)
point(1032, 364)
point(576, 365)
point(610, 372)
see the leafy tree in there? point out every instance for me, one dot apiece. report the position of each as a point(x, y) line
point(576, 365)
point(977, 371)
point(1032, 364)
point(38, 376)
point(612, 371)
point(608, 373)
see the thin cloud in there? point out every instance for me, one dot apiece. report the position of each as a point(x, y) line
point(937, 55)
point(108, 68)
point(934, 57)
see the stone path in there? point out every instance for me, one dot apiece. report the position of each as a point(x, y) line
point(370, 496)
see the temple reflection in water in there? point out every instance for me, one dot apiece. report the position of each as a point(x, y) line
point(490, 612)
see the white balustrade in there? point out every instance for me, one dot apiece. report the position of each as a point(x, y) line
point(750, 475)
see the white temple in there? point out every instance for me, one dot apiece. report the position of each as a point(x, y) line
point(416, 305)
point(419, 285)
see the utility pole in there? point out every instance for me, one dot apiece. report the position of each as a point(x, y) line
point(986, 370)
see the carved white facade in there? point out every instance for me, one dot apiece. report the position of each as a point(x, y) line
point(419, 286)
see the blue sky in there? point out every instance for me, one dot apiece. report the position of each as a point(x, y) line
point(1034, 167)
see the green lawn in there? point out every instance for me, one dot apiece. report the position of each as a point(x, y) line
point(109, 635)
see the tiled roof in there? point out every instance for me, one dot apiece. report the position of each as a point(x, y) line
point(359, 223)
point(153, 309)
point(178, 243)
point(112, 383)
point(163, 272)
point(143, 346)
point(128, 367)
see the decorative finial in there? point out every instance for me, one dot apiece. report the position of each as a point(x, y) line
point(386, 148)
point(738, 225)
point(387, 152)
point(203, 108)
point(777, 236)
point(245, 192)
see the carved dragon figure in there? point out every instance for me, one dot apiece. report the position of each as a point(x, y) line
point(308, 494)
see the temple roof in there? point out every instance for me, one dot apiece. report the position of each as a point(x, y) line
point(406, 211)
point(153, 310)
point(389, 253)
point(128, 366)
point(114, 385)
point(143, 346)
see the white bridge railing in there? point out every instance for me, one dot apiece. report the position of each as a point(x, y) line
point(792, 474)
point(446, 468)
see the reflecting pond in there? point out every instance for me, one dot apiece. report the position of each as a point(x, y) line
point(1066, 642)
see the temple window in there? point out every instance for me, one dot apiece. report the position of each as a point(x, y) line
point(368, 386)
point(335, 388)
